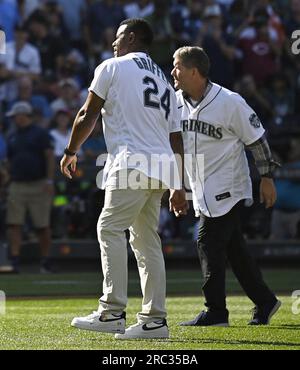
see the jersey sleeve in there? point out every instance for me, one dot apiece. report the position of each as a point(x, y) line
point(103, 77)
point(244, 122)
point(175, 125)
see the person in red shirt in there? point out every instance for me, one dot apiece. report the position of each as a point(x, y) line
point(260, 50)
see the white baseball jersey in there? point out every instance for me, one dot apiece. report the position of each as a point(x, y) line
point(139, 113)
point(219, 127)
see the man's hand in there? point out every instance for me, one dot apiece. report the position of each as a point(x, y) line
point(178, 202)
point(267, 192)
point(65, 162)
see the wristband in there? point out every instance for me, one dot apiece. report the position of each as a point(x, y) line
point(68, 152)
point(268, 175)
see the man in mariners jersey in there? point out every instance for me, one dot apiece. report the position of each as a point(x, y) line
point(140, 118)
point(218, 123)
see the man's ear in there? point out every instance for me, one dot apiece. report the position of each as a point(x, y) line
point(132, 38)
point(194, 71)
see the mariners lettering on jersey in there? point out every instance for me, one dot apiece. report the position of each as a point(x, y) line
point(202, 127)
point(149, 65)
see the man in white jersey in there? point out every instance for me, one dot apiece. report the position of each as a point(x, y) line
point(140, 118)
point(218, 123)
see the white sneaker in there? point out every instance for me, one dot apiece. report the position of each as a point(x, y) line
point(105, 323)
point(152, 330)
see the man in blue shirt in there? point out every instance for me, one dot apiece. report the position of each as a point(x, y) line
point(31, 165)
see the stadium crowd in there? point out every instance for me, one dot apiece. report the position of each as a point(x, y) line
point(53, 47)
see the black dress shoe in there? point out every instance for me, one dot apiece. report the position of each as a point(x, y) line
point(209, 318)
point(263, 314)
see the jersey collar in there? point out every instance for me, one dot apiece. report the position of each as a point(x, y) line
point(211, 91)
point(206, 92)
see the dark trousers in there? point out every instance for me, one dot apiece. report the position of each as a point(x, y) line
point(221, 238)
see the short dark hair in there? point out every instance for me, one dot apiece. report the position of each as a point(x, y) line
point(141, 28)
point(194, 57)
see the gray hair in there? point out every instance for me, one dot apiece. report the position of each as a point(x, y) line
point(194, 57)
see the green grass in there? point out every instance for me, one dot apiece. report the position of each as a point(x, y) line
point(37, 323)
point(179, 282)
point(45, 324)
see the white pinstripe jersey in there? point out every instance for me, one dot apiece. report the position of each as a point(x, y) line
point(219, 127)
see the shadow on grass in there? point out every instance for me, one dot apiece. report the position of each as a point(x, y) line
point(286, 326)
point(266, 327)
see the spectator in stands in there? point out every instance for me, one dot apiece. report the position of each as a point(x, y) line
point(39, 102)
point(95, 144)
point(74, 16)
point(56, 20)
point(254, 97)
point(261, 49)
point(186, 21)
point(237, 19)
point(218, 46)
point(26, 8)
point(49, 46)
point(61, 131)
point(100, 16)
point(31, 163)
point(281, 97)
point(286, 215)
point(194, 22)
point(73, 65)
point(21, 59)
point(108, 39)
point(163, 46)
point(274, 20)
point(68, 97)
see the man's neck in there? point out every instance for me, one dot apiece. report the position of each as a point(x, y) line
point(198, 93)
point(138, 50)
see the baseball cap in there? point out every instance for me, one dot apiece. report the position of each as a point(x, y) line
point(21, 107)
point(68, 82)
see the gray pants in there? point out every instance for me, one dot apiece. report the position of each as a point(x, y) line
point(137, 210)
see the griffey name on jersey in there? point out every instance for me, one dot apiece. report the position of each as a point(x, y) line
point(149, 65)
point(202, 128)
